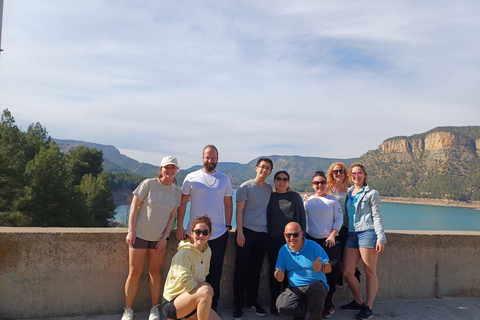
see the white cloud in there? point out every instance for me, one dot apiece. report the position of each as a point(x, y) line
point(329, 79)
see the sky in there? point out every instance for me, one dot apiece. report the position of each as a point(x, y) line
point(330, 79)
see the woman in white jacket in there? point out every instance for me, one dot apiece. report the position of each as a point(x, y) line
point(186, 293)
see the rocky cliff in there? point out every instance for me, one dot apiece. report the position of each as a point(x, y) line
point(443, 163)
point(433, 141)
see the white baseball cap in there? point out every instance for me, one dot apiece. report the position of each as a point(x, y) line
point(169, 160)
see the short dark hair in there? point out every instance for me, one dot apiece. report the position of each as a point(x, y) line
point(319, 174)
point(280, 172)
point(210, 146)
point(264, 160)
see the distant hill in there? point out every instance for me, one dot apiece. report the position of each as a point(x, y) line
point(301, 169)
point(442, 163)
point(113, 160)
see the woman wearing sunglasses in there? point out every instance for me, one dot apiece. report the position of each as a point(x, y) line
point(338, 182)
point(285, 206)
point(324, 220)
point(152, 213)
point(366, 239)
point(186, 292)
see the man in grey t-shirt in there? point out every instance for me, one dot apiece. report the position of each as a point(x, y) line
point(251, 218)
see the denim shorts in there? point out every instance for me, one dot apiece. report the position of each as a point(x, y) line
point(362, 239)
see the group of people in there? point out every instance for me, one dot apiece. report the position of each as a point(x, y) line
point(310, 242)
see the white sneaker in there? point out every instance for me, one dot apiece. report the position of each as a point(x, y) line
point(127, 314)
point(154, 315)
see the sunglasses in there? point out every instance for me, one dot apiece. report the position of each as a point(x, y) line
point(337, 171)
point(281, 179)
point(199, 232)
point(319, 182)
point(295, 235)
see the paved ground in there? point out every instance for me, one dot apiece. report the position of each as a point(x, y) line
point(425, 309)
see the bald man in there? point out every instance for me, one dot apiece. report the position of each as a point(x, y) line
point(306, 263)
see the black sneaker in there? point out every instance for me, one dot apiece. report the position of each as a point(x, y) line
point(257, 309)
point(365, 313)
point(352, 306)
point(326, 314)
point(237, 314)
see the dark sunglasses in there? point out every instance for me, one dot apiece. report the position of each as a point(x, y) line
point(281, 179)
point(199, 232)
point(337, 171)
point(319, 182)
point(295, 235)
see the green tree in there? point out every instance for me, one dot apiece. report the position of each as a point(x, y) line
point(98, 198)
point(50, 198)
point(83, 160)
point(12, 162)
point(36, 137)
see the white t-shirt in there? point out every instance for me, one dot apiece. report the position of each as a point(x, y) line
point(158, 202)
point(207, 192)
point(323, 215)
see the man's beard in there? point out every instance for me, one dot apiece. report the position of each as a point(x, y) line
point(209, 166)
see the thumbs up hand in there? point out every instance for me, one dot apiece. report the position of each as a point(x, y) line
point(279, 275)
point(317, 265)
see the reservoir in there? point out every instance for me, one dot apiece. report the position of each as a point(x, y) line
point(401, 216)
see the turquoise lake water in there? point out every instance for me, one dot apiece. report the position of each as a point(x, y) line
point(403, 216)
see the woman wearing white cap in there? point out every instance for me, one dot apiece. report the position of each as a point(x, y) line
point(152, 213)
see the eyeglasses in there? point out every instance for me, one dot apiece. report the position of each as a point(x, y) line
point(199, 232)
point(265, 168)
point(319, 182)
point(295, 235)
point(356, 173)
point(340, 171)
point(281, 179)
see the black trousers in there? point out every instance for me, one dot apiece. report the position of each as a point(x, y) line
point(248, 265)
point(274, 245)
point(218, 247)
point(334, 255)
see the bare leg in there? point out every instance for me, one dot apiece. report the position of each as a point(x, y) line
point(199, 298)
point(351, 257)
point(136, 259)
point(370, 258)
point(155, 262)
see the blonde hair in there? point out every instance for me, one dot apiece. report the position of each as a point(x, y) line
point(346, 176)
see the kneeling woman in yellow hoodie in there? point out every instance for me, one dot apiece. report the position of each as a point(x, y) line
point(186, 294)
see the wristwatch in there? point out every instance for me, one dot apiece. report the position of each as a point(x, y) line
point(323, 266)
point(166, 238)
point(229, 227)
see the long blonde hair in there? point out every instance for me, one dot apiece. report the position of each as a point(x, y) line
point(346, 176)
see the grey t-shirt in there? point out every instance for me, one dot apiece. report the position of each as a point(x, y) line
point(256, 201)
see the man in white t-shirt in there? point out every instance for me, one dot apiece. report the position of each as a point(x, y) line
point(209, 191)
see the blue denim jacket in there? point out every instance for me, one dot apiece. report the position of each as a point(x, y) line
point(367, 213)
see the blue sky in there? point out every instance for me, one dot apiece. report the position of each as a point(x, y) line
point(312, 78)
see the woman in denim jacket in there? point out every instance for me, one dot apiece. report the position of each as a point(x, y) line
point(366, 239)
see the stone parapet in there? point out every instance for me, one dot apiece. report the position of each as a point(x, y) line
point(58, 272)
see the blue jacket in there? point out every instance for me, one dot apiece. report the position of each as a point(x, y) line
point(367, 213)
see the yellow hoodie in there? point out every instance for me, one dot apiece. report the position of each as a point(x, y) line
point(189, 266)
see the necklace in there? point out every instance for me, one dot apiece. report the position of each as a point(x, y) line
point(214, 181)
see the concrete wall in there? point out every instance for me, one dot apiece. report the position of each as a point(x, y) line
point(53, 272)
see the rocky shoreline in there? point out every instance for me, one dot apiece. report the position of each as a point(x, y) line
point(434, 202)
